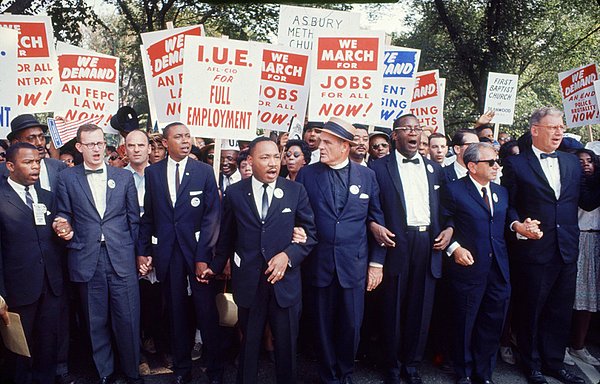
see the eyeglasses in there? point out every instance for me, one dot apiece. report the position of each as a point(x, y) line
point(376, 146)
point(490, 162)
point(408, 128)
point(295, 154)
point(100, 145)
point(113, 157)
point(552, 128)
point(211, 156)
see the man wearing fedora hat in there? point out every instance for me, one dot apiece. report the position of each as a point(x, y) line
point(345, 198)
point(27, 129)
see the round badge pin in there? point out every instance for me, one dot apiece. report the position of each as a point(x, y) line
point(495, 198)
point(111, 184)
point(429, 168)
point(278, 193)
point(354, 189)
point(195, 202)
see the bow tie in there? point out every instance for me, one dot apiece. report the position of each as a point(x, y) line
point(90, 171)
point(414, 161)
point(547, 155)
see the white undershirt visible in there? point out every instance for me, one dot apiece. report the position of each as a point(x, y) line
point(551, 170)
point(44, 178)
point(20, 190)
point(416, 190)
point(171, 168)
point(258, 190)
point(460, 170)
point(97, 183)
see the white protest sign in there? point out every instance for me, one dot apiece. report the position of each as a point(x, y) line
point(347, 78)
point(501, 96)
point(88, 90)
point(8, 79)
point(37, 75)
point(284, 87)
point(162, 57)
point(579, 97)
point(298, 26)
point(597, 91)
point(427, 103)
point(221, 87)
point(400, 69)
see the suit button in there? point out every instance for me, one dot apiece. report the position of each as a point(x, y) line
point(557, 225)
point(41, 261)
point(337, 222)
point(262, 250)
point(490, 255)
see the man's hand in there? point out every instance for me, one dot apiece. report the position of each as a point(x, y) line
point(485, 118)
point(529, 228)
point(441, 242)
point(277, 267)
point(463, 257)
point(382, 235)
point(62, 228)
point(374, 277)
point(203, 273)
point(4, 311)
point(144, 264)
point(299, 235)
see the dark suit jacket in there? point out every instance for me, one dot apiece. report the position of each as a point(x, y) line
point(475, 228)
point(449, 173)
point(531, 196)
point(394, 208)
point(27, 250)
point(194, 227)
point(53, 166)
point(256, 243)
point(343, 247)
point(119, 224)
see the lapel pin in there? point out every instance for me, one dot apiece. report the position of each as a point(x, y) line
point(495, 197)
point(111, 184)
point(354, 189)
point(195, 202)
point(278, 193)
point(429, 168)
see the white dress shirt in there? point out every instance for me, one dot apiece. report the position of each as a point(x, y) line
point(315, 156)
point(171, 168)
point(44, 178)
point(551, 170)
point(460, 170)
point(97, 183)
point(257, 192)
point(20, 190)
point(140, 186)
point(416, 190)
point(234, 178)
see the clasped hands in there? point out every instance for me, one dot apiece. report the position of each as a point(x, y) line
point(62, 228)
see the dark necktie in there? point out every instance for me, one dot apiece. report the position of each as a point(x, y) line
point(177, 180)
point(90, 171)
point(28, 198)
point(486, 200)
point(414, 161)
point(265, 203)
point(547, 155)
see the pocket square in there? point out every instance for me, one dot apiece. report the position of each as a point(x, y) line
point(286, 210)
point(363, 196)
point(436, 187)
point(154, 240)
point(195, 193)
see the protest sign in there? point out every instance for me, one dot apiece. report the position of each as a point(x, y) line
point(8, 79)
point(427, 103)
point(299, 26)
point(597, 91)
point(501, 96)
point(88, 91)
point(221, 88)
point(579, 97)
point(283, 87)
point(400, 69)
point(347, 78)
point(37, 76)
point(162, 58)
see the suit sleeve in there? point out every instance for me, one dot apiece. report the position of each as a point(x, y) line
point(376, 252)
point(447, 208)
point(63, 201)
point(305, 218)
point(2, 287)
point(209, 226)
point(147, 220)
point(227, 236)
point(133, 207)
point(509, 181)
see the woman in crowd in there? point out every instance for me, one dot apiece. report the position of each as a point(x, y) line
point(297, 155)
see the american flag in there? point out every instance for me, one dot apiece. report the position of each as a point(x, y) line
point(62, 131)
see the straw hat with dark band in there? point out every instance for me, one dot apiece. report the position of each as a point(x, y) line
point(339, 128)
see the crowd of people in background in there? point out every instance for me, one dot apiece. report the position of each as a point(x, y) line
point(353, 242)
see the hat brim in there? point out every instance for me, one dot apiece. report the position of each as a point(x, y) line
point(12, 134)
point(321, 130)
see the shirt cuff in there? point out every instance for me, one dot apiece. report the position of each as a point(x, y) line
point(452, 247)
point(375, 265)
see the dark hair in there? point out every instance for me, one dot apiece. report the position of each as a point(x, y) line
point(88, 128)
point(406, 115)
point(256, 141)
point(595, 158)
point(13, 150)
point(458, 138)
point(303, 147)
point(486, 140)
point(4, 144)
point(506, 149)
point(242, 156)
point(168, 128)
point(437, 135)
point(471, 154)
point(479, 129)
point(196, 152)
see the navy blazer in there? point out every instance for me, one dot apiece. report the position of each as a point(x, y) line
point(394, 208)
point(449, 173)
point(343, 241)
point(119, 224)
point(28, 250)
point(193, 223)
point(53, 166)
point(476, 229)
point(531, 196)
point(255, 243)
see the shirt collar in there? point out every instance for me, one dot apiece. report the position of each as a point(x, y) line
point(479, 186)
point(401, 157)
point(130, 169)
point(182, 163)
point(20, 188)
point(340, 165)
point(257, 185)
point(537, 152)
point(103, 167)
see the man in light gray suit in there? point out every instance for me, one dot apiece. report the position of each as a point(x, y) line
point(100, 202)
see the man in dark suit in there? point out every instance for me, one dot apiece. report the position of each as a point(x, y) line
point(260, 214)
point(409, 197)
point(178, 232)
point(100, 203)
point(478, 274)
point(31, 257)
point(345, 199)
point(544, 185)
point(460, 141)
point(26, 129)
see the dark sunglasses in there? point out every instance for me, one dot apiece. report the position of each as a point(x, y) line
point(210, 156)
point(490, 162)
point(3, 155)
point(295, 154)
point(113, 157)
point(376, 146)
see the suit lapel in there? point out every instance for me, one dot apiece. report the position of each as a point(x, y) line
point(564, 172)
point(475, 194)
point(353, 180)
point(187, 175)
point(13, 198)
point(85, 186)
point(275, 201)
point(325, 186)
point(163, 180)
point(110, 175)
point(249, 197)
point(534, 163)
point(392, 167)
